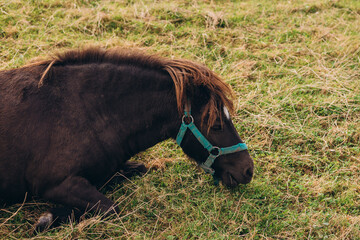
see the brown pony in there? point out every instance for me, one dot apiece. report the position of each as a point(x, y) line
point(69, 123)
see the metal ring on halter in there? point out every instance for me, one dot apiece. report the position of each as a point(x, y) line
point(218, 150)
point(191, 118)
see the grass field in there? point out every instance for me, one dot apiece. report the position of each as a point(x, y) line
point(295, 68)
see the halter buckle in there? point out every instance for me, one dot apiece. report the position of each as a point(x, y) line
point(217, 150)
point(185, 117)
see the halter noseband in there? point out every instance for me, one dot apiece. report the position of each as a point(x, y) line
point(214, 151)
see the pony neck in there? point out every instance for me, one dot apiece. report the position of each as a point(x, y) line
point(128, 108)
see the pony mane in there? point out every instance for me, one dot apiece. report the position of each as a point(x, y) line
point(185, 74)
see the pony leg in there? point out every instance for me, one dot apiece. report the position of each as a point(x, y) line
point(75, 192)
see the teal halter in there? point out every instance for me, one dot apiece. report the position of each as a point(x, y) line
point(214, 151)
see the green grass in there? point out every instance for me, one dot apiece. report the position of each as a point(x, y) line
point(294, 66)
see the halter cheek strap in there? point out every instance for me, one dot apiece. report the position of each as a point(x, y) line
point(214, 151)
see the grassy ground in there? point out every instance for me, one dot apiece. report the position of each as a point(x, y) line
point(294, 65)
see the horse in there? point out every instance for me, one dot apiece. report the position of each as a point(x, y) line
point(71, 121)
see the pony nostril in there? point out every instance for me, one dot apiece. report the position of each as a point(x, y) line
point(249, 172)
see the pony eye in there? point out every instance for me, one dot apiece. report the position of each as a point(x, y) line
point(217, 127)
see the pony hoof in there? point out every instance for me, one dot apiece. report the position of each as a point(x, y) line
point(45, 221)
point(133, 168)
point(141, 169)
